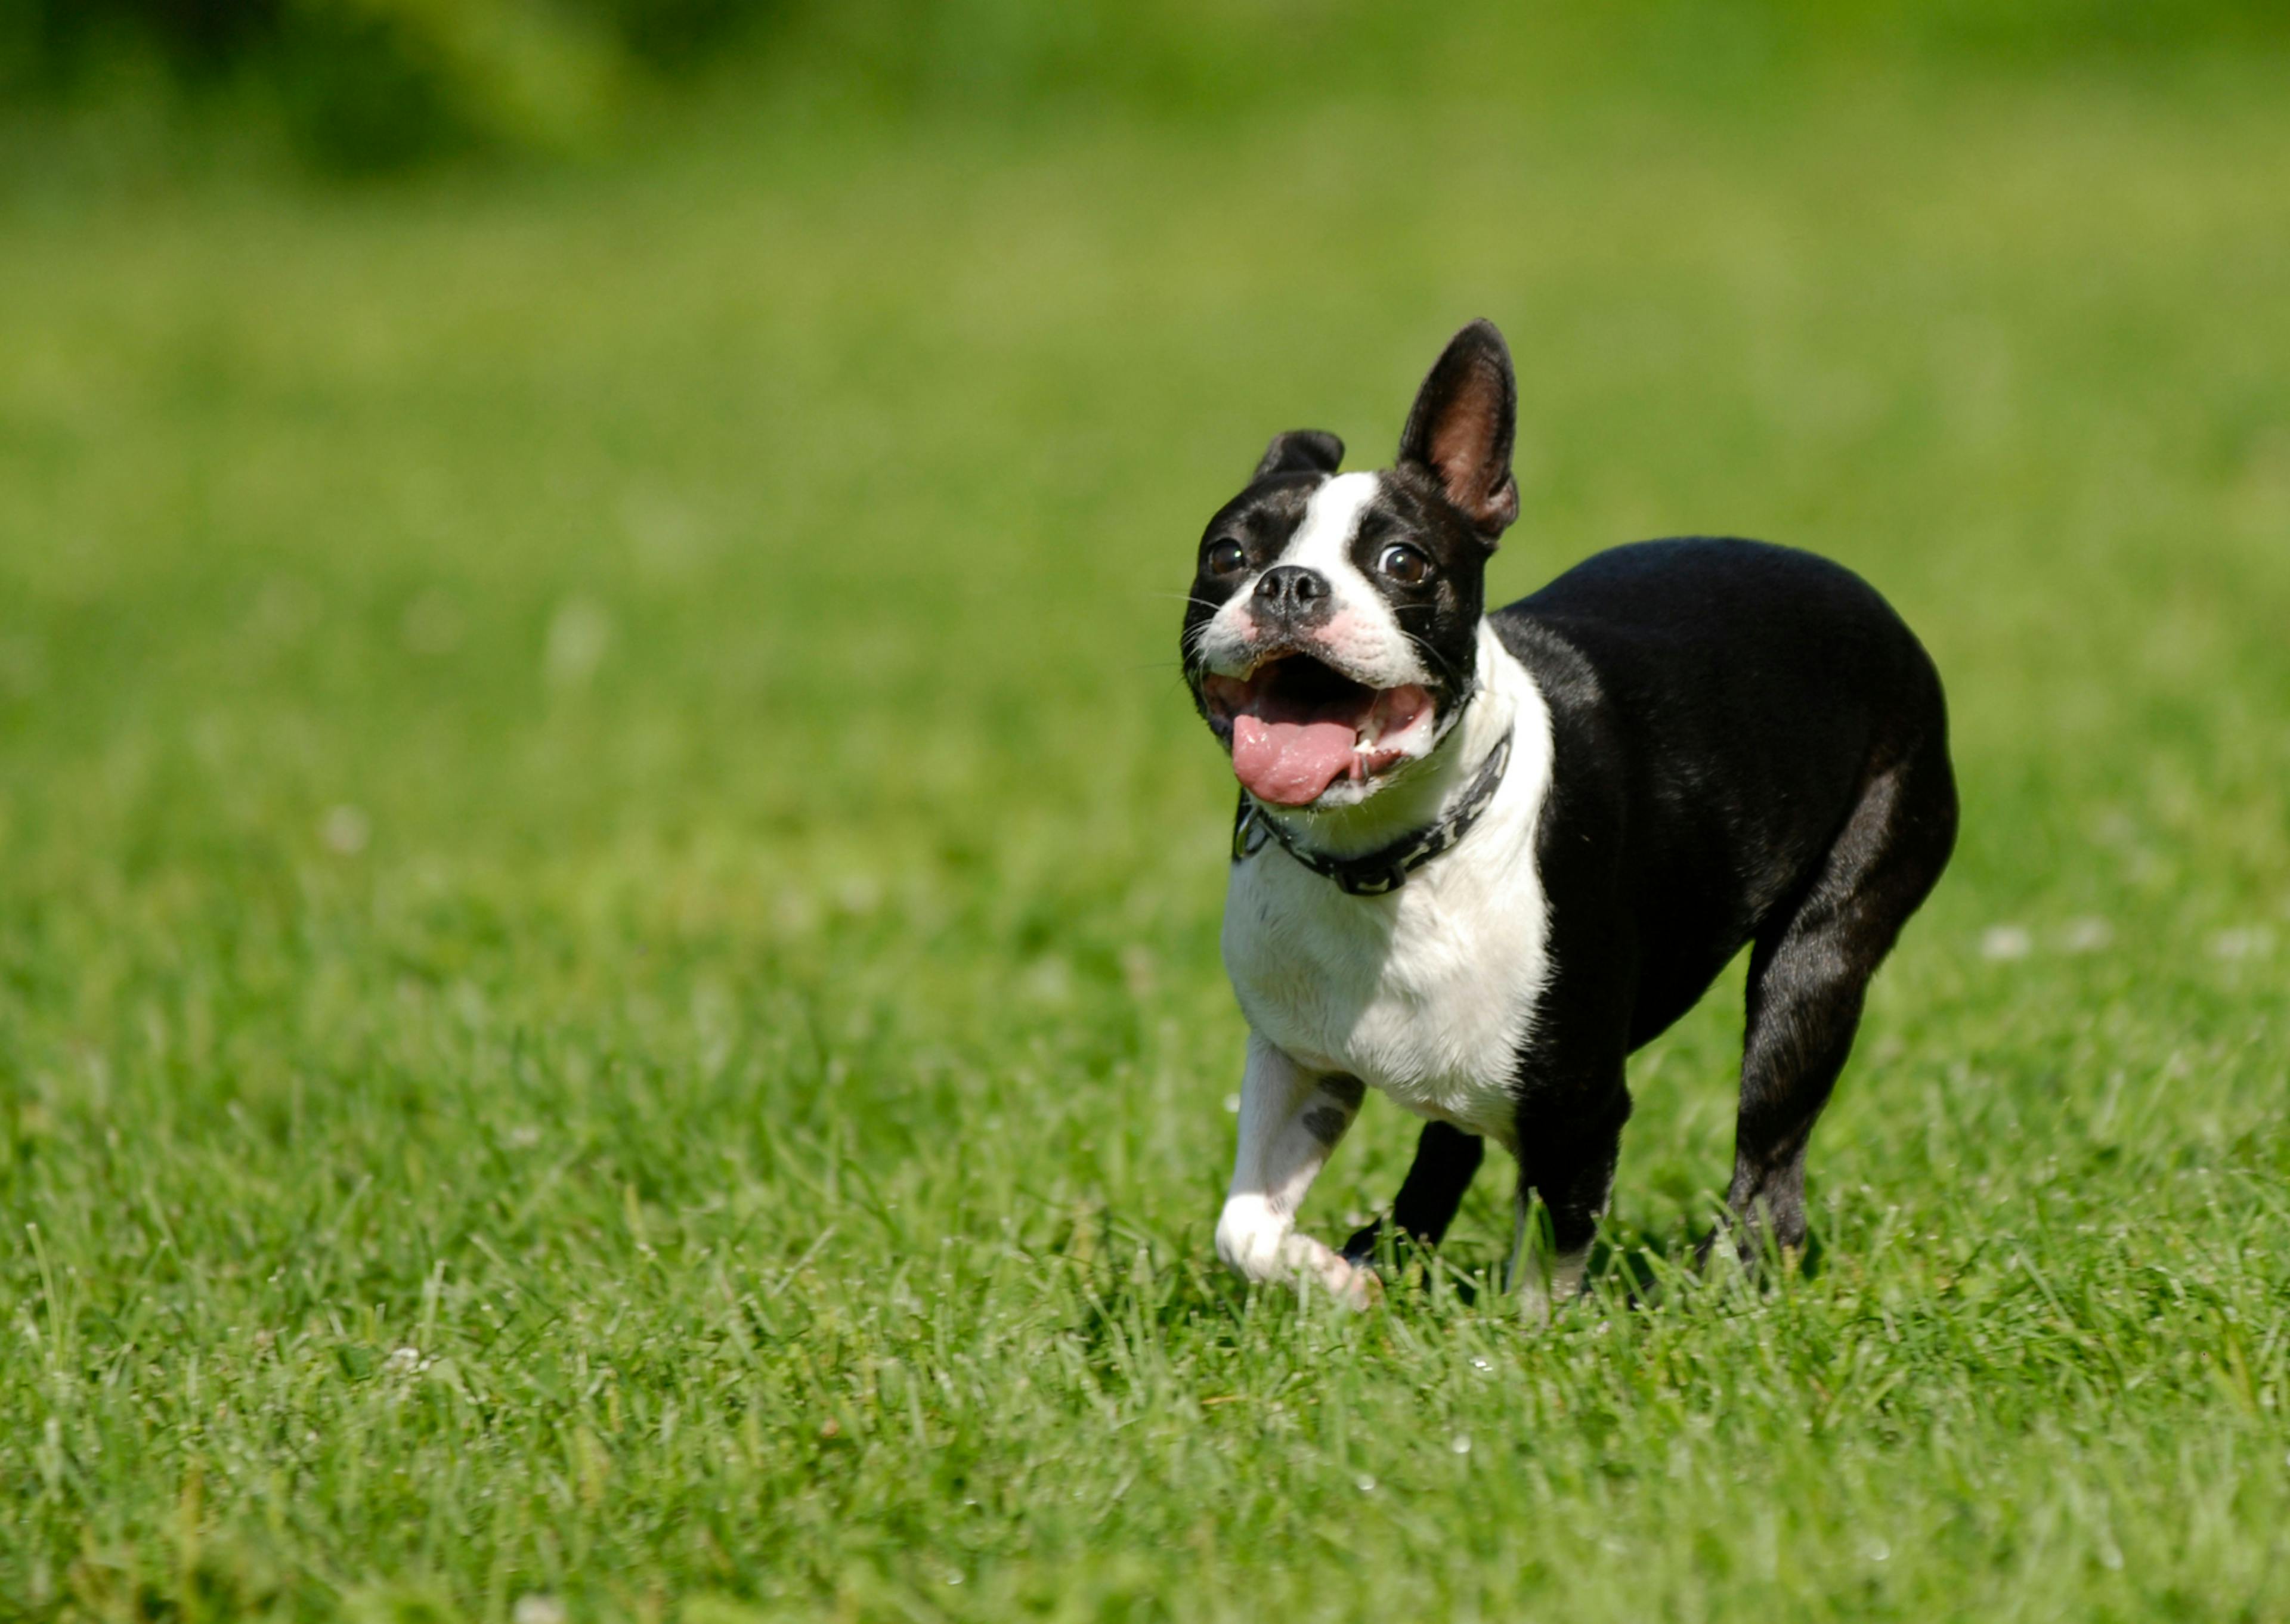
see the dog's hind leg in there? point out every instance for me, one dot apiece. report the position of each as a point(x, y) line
point(1445, 1159)
point(1290, 1120)
point(1809, 973)
point(1566, 1161)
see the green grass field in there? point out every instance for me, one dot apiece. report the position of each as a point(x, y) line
point(609, 1005)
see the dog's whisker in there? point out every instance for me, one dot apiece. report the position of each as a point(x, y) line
point(1187, 597)
point(1447, 665)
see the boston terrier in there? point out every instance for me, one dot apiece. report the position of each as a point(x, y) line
point(1479, 857)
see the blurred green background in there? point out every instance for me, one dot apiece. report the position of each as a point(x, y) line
point(608, 896)
point(360, 85)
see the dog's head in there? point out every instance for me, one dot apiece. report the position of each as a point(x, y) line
point(1331, 635)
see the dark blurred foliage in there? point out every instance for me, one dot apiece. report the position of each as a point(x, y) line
point(364, 84)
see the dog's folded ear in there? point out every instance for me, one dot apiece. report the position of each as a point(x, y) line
point(1461, 429)
point(1302, 451)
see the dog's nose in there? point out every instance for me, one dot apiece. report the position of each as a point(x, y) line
point(1290, 589)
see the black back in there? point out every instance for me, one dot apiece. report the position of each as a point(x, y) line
point(1716, 705)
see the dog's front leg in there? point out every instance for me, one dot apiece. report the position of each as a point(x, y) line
point(1290, 1120)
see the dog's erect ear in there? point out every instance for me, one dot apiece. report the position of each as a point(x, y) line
point(1461, 425)
point(1302, 451)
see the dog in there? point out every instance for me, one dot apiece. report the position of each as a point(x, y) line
point(1480, 858)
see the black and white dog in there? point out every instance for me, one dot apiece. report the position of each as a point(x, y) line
point(1481, 858)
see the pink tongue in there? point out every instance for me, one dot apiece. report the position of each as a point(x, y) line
point(1289, 763)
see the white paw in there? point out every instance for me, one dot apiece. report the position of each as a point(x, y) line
point(1546, 1285)
point(1249, 1236)
point(1307, 1258)
point(1260, 1246)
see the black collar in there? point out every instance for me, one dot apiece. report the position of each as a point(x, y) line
point(1387, 868)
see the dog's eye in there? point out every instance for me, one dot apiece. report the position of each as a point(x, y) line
point(1227, 556)
point(1405, 565)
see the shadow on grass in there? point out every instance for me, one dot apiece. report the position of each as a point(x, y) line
point(1164, 1290)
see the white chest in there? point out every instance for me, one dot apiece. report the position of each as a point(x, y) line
point(1426, 994)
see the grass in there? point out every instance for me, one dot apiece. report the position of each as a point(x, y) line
point(608, 993)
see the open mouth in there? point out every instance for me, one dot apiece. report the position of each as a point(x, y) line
point(1297, 726)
